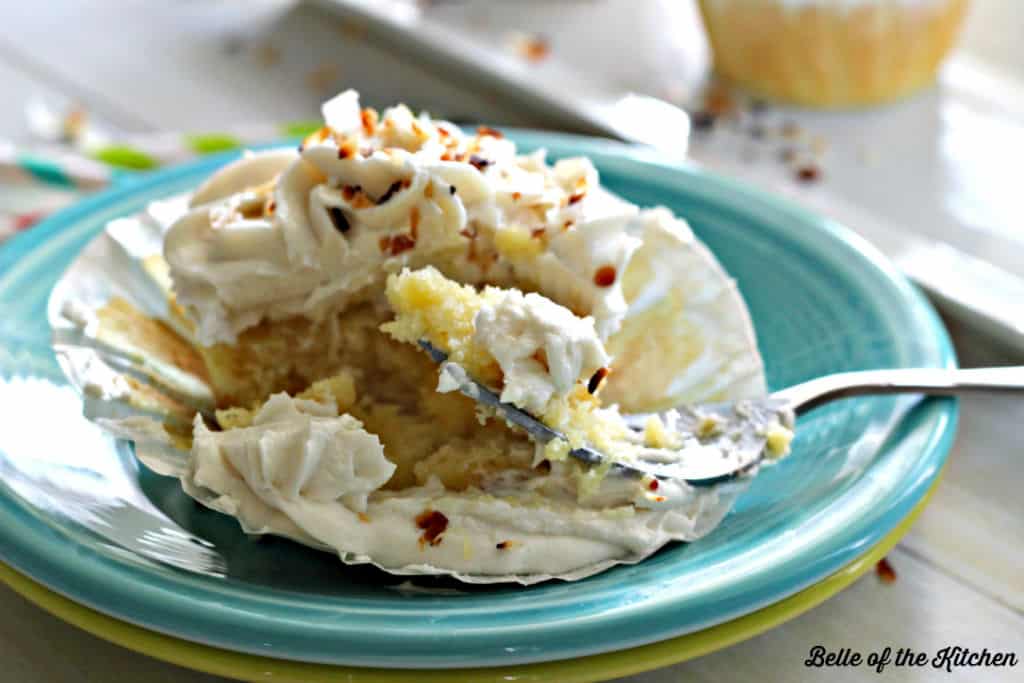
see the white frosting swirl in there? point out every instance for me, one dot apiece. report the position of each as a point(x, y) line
point(297, 449)
point(305, 472)
point(285, 233)
point(517, 328)
point(281, 233)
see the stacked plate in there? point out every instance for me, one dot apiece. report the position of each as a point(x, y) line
point(90, 535)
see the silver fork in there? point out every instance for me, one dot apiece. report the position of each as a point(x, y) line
point(740, 428)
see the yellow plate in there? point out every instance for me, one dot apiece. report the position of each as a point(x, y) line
point(596, 667)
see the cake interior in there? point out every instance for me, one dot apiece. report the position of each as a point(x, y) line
point(381, 379)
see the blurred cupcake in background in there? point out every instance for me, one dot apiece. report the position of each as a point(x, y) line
point(831, 53)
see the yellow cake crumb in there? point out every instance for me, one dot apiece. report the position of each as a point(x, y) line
point(778, 440)
point(556, 450)
point(580, 419)
point(290, 354)
point(235, 417)
point(461, 463)
point(657, 436)
point(516, 242)
point(339, 390)
point(429, 306)
point(707, 427)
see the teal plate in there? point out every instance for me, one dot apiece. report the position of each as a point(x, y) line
point(821, 299)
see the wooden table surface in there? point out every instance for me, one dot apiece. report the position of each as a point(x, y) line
point(198, 65)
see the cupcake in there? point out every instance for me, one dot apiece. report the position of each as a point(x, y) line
point(284, 382)
point(831, 53)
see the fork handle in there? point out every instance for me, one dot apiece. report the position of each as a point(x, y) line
point(932, 381)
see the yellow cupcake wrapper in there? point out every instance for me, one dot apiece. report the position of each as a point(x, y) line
point(822, 55)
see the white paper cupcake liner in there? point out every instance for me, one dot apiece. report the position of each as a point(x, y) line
point(133, 392)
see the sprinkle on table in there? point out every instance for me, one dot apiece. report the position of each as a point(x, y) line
point(718, 100)
point(533, 48)
point(322, 77)
point(702, 120)
point(886, 574)
point(808, 173)
point(267, 55)
point(790, 130)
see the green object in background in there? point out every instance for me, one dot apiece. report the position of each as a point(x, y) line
point(136, 157)
point(123, 156)
point(300, 129)
point(209, 143)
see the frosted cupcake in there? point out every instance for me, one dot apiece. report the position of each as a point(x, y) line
point(295, 287)
point(831, 53)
